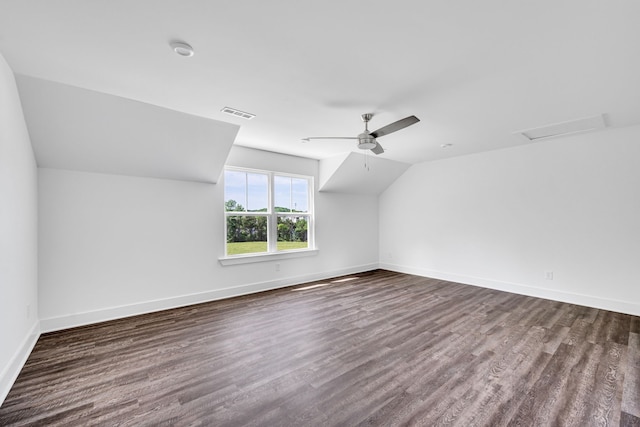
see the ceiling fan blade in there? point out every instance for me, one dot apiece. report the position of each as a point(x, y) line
point(377, 149)
point(395, 126)
point(327, 137)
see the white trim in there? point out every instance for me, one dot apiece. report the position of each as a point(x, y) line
point(264, 256)
point(517, 288)
point(86, 318)
point(12, 370)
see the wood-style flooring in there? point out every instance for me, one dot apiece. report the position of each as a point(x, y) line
point(377, 348)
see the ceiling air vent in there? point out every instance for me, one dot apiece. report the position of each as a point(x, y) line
point(238, 113)
point(565, 128)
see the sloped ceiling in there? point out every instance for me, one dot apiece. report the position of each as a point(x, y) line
point(78, 129)
point(356, 173)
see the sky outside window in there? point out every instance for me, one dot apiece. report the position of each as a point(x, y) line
point(251, 191)
point(291, 193)
point(300, 194)
point(248, 189)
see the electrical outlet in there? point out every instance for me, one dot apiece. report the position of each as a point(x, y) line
point(28, 311)
point(277, 266)
point(548, 275)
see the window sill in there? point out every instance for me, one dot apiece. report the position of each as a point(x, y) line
point(251, 258)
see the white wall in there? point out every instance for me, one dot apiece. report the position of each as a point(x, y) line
point(502, 219)
point(18, 235)
point(112, 246)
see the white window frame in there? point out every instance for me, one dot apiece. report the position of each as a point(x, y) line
point(272, 221)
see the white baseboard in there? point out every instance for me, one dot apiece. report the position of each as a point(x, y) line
point(516, 288)
point(12, 370)
point(111, 313)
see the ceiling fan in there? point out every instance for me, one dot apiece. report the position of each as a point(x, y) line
point(367, 140)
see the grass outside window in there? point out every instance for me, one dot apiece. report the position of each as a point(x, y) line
point(239, 248)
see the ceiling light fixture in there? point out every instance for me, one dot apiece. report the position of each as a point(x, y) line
point(181, 48)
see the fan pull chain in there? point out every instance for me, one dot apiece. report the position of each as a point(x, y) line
point(366, 161)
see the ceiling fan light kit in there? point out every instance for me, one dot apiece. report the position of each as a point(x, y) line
point(367, 140)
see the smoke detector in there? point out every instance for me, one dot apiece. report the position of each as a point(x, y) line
point(181, 48)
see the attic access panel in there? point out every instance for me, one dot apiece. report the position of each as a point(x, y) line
point(564, 128)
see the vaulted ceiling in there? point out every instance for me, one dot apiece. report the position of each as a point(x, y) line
point(473, 72)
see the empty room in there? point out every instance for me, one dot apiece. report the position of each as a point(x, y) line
point(319, 213)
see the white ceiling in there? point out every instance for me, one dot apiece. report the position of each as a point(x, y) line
point(473, 72)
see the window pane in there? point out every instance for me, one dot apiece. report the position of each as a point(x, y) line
point(258, 185)
point(244, 191)
point(235, 190)
point(291, 194)
point(282, 193)
point(292, 233)
point(246, 234)
point(300, 194)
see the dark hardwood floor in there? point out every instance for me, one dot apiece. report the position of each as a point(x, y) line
point(377, 348)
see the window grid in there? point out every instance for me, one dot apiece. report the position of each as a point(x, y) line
point(271, 214)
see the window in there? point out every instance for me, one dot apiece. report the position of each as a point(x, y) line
point(267, 212)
